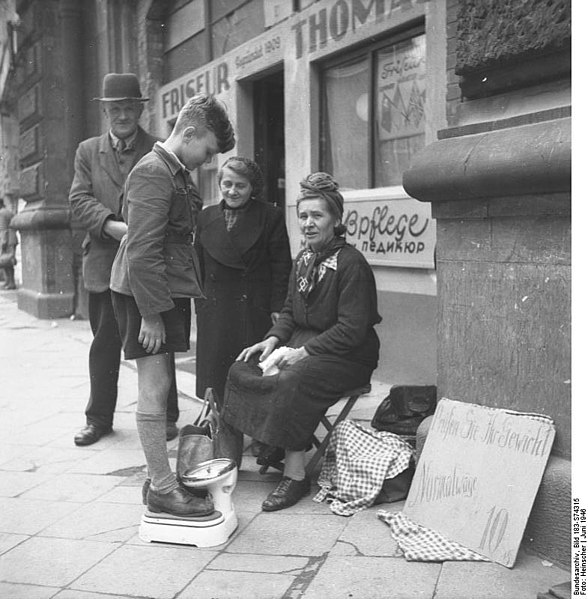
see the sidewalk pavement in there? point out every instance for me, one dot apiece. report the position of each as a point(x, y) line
point(70, 515)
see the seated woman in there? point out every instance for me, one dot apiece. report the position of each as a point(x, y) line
point(329, 345)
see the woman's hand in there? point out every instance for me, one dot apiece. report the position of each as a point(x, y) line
point(266, 347)
point(152, 333)
point(291, 356)
point(275, 316)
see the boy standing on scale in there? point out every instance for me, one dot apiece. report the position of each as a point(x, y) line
point(155, 275)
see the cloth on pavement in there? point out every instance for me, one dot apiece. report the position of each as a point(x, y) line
point(357, 462)
point(420, 544)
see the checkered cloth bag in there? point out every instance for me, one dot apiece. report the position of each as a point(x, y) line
point(420, 544)
point(357, 462)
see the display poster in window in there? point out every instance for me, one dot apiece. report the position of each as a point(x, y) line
point(400, 109)
point(478, 474)
point(401, 90)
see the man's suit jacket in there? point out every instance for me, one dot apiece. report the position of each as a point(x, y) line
point(96, 194)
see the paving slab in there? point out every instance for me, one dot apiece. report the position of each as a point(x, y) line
point(13, 484)
point(26, 591)
point(373, 578)
point(123, 494)
point(155, 571)
point(9, 540)
point(487, 580)
point(365, 535)
point(25, 516)
point(9, 451)
point(51, 460)
point(276, 564)
point(110, 523)
point(244, 585)
point(79, 488)
point(110, 461)
point(67, 594)
point(39, 433)
point(51, 562)
point(280, 533)
point(249, 495)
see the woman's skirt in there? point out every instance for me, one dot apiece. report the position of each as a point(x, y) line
point(284, 410)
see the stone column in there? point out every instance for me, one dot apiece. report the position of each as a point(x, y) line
point(48, 119)
point(499, 182)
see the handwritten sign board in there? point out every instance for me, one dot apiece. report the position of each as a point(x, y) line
point(478, 475)
point(388, 227)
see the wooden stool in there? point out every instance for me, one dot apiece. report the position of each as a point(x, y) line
point(321, 446)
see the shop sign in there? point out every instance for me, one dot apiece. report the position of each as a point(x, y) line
point(478, 474)
point(259, 50)
point(386, 226)
point(389, 230)
point(214, 79)
point(217, 77)
point(341, 18)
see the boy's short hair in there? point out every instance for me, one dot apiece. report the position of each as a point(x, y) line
point(207, 112)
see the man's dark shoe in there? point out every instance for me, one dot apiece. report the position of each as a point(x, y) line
point(178, 502)
point(90, 434)
point(287, 493)
point(171, 431)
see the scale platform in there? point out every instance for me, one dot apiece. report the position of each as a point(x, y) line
point(200, 531)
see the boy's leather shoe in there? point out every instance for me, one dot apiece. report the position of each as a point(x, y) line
point(90, 434)
point(178, 502)
point(287, 493)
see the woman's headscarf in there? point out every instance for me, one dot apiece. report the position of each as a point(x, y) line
point(322, 185)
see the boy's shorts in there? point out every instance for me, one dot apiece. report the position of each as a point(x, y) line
point(176, 322)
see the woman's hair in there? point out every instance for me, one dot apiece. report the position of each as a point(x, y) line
point(322, 185)
point(248, 169)
point(207, 112)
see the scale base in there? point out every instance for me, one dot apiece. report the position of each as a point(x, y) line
point(207, 531)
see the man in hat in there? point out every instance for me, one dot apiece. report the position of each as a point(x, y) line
point(101, 167)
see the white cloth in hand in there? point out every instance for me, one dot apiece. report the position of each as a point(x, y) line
point(268, 366)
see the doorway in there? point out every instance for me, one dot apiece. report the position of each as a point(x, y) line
point(269, 146)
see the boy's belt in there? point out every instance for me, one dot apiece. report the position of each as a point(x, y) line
point(181, 238)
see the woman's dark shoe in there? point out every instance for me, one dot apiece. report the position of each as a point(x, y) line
point(90, 434)
point(178, 502)
point(287, 493)
point(271, 457)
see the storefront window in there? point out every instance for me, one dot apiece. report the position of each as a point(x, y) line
point(346, 127)
point(373, 117)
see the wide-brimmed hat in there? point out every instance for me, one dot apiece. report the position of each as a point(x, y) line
point(121, 86)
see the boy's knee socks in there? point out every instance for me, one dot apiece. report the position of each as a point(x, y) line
point(151, 429)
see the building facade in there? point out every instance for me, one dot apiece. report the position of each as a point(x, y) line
point(354, 87)
point(454, 102)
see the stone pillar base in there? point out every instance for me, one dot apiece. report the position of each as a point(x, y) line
point(45, 305)
point(47, 289)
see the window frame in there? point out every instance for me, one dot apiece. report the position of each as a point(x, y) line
point(341, 59)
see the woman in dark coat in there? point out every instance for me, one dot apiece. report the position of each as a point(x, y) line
point(244, 252)
point(324, 339)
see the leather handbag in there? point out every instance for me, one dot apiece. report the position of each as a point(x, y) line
point(196, 441)
point(404, 408)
